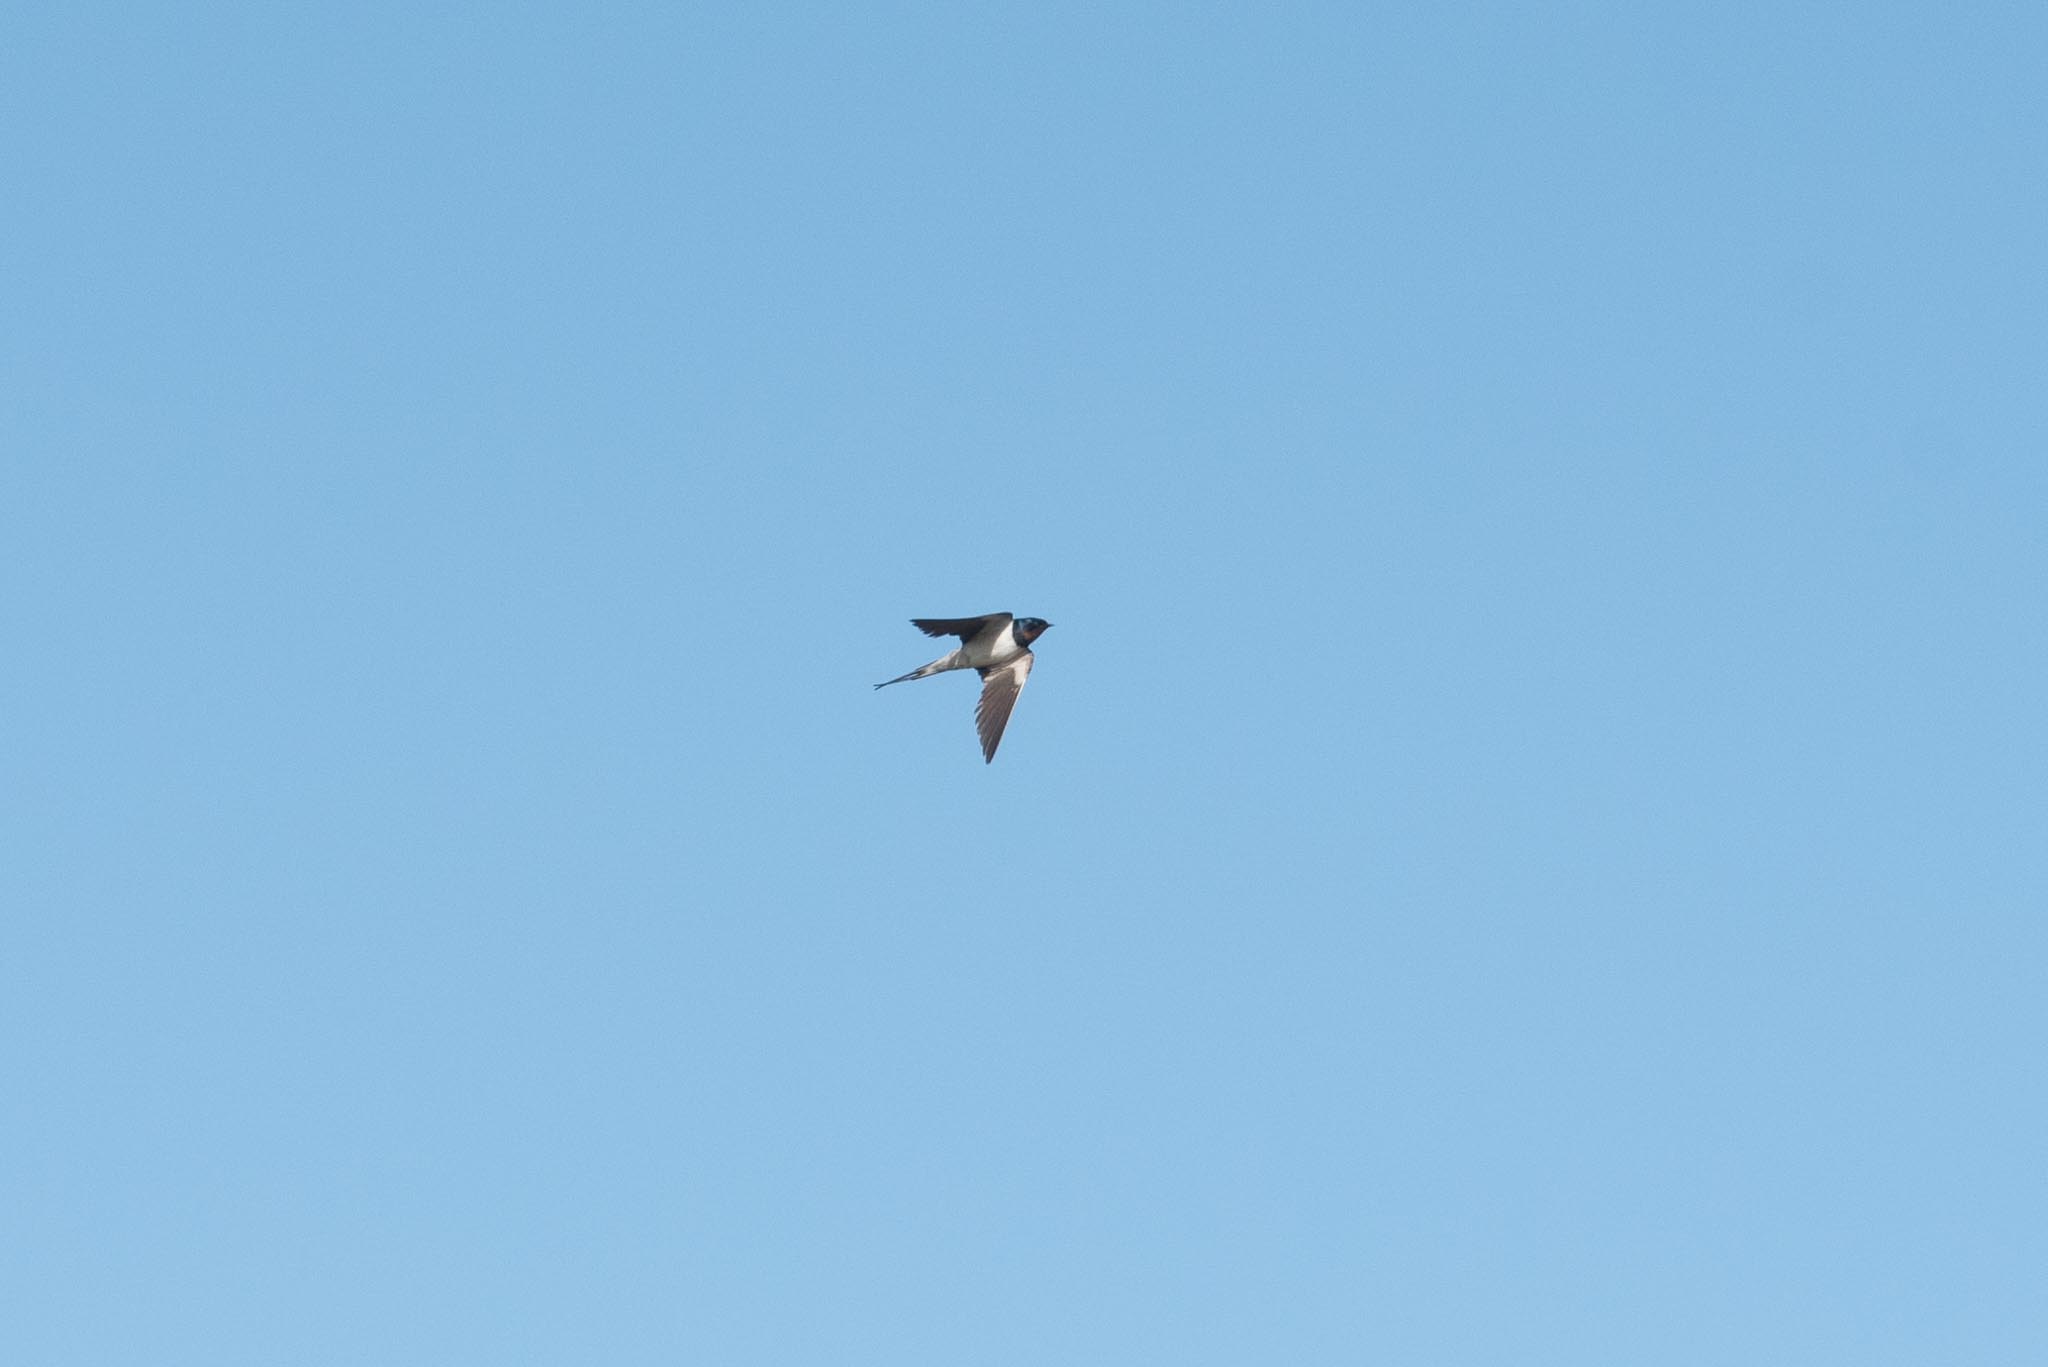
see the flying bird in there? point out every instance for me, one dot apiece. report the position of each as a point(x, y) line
point(998, 647)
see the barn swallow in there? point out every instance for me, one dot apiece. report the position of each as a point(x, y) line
point(998, 647)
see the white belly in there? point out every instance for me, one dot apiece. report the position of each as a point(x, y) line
point(987, 650)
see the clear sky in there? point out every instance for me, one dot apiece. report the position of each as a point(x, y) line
point(1526, 843)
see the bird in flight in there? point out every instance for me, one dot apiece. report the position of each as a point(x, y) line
point(998, 647)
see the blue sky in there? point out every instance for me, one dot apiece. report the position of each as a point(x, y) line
point(1525, 843)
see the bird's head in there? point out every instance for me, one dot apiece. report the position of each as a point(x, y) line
point(1031, 628)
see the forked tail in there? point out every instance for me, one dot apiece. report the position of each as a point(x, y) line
point(938, 666)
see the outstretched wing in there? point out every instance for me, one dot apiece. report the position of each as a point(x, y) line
point(1000, 685)
point(966, 628)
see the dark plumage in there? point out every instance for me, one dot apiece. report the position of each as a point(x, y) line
point(996, 646)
